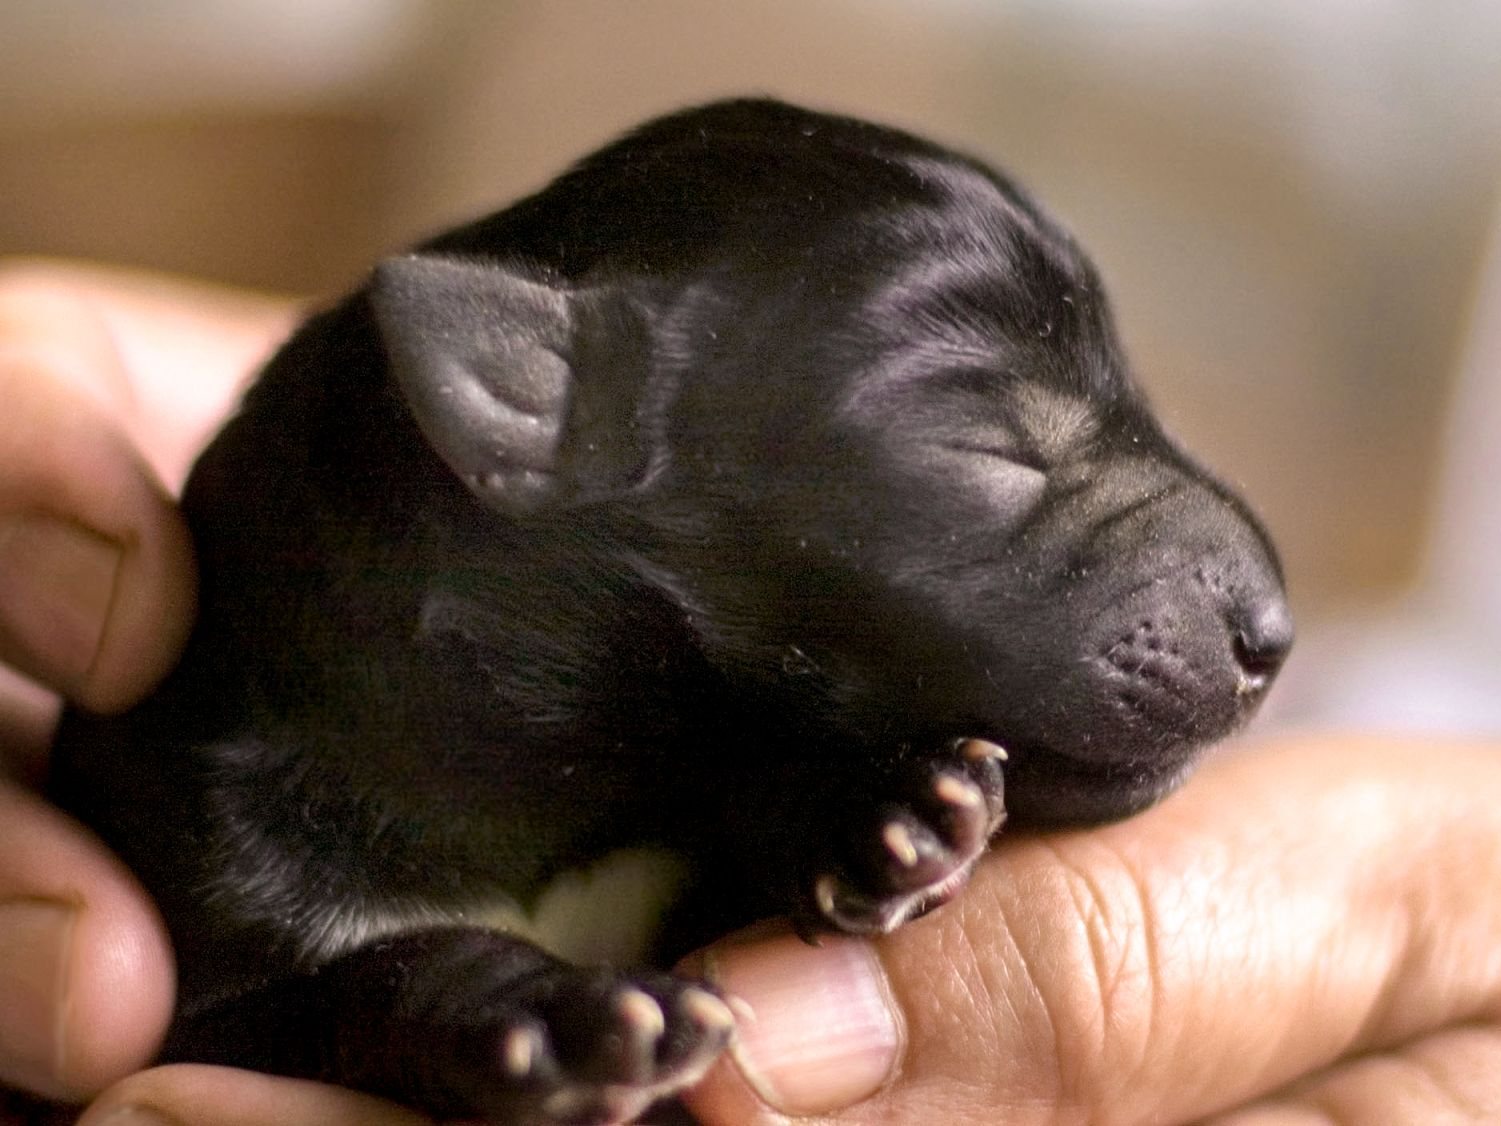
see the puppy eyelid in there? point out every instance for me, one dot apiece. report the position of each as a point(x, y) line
point(1013, 487)
point(1002, 446)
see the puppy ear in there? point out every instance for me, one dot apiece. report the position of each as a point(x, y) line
point(492, 363)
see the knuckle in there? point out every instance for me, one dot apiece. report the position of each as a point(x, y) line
point(1075, 1001)
point(1112, 982)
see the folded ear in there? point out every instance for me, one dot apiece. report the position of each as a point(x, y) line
point(491, 361)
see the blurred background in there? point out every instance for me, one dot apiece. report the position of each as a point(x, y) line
point(1295, 206)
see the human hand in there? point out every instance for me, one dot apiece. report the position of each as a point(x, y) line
point(1308, 933)
point(111, 381)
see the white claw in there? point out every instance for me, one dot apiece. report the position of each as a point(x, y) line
point(642, 1013)
point(744, 1014)
point(519, 1051)
point(958, 792)
point(708, 1010)
point(899, 842)
point(823, 892)
point(976, 750)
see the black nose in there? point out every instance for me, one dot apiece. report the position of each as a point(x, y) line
point(1262, 634)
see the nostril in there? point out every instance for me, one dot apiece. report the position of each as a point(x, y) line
point(1262, 639)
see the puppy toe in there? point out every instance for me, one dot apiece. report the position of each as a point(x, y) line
point(922, 845)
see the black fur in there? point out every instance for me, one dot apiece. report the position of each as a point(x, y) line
point(710, 498)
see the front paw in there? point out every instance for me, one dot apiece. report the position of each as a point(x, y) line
point(472, 1024)
point(917, 849)
point(593, 1047)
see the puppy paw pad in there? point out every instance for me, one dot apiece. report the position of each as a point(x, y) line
point(714, 1016)
point(981, 750)
point(898, 841)
point(958, 791)
point(641, 1015)
point(937, 823)
point(520, 1050)
point(601, 1053)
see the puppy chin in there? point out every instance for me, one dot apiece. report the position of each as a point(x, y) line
point(1046, 790)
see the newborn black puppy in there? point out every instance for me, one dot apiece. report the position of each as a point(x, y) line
point(705, 524)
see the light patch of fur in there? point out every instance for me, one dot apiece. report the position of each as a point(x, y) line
point(1056, 422)
point(608, 913)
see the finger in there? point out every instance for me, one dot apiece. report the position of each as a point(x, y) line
point(198, 1095)
point(85, 967)
point(165, 357)
point(28, 716)
point(154, 364)
point(1451, 1077)
point(96, 571)
point(1290, 909)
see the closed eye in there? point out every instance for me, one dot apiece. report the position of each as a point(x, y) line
point(1005, 448)
point(1005, 415)
point(1012, 483)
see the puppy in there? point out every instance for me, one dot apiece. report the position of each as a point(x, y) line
point(698, 531)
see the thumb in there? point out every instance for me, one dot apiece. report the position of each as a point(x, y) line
point(85, 965)
point(111, 380)
point(1291, 909)
point(96, 573)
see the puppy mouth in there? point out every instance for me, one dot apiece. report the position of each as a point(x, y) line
point(1138, 719)
point(1051, 788)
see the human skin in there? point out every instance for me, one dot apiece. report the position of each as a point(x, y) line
point(1305, 934)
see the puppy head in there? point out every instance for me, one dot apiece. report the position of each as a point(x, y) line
point(867, 403)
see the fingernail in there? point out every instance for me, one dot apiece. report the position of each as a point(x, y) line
point(826, 1033)
point(36, 939)
point(134, 1115)
point(56, 582)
